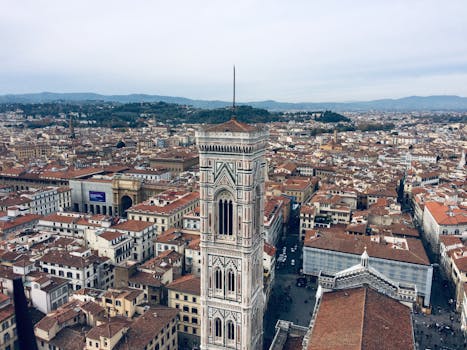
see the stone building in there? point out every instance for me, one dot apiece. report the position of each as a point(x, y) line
point(232, 176)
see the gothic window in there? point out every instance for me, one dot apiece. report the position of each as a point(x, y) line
point(231, 281)
point(257, 210)
point(230, 330)
point(230, 232)
point(218, 327)
point(225, 215)
point(221, 217)
point(218, 278)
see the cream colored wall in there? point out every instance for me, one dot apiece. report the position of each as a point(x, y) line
point(173, 301)
point(459, 278)
point(164, 221)
point(10, 330)
point(126, 307)
point(111, 343)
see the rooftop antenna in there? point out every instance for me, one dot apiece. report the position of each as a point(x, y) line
point(233, 103)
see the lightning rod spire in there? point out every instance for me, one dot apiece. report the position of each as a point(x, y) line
point(233, 103)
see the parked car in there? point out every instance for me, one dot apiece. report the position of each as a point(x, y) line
point(301, 282)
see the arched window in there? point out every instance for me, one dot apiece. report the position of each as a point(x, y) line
point(218, 279)
point(231, 281)
point(225, 216)
point(230, 211)
point(218, 327)
point(230, 330)
point(257, 210)
point(6, 337)
point(221, 217)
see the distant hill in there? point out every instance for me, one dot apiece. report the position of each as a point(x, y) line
point(44, 97)
point(444, 102)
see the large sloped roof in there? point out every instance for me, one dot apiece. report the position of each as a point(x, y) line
point(361, 318)
point(232, 125)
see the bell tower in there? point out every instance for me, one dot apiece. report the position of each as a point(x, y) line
point(232, 175)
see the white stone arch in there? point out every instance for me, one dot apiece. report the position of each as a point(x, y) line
point(231, 280)
point(217, 276)
point(218, 327)
point(217, 319)
point(230, 330)
point(235, 266)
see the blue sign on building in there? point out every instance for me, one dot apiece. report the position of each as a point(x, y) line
point(97, 196)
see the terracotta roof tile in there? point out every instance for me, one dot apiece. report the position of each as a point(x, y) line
point(69, 338)
point(232, 125)
point(109, 235)
point(449, 240)
point(167, 209)
point(353, 244)
point(361, 318)
point(55, 217)
point(145, 278)
point(269, 249)
point(107, 330)
point(444, 215)
point(7, 312)
point(133, 225)
point(145, 327)
point(186, 284)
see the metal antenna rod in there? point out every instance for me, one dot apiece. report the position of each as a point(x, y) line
point(233, 89)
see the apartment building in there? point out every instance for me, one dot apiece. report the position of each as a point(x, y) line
point(184, 295)
point(82, 268)
point(166, 210)
point(440, 219)
point(8, 334)
point(273, 220)
point(142, 233)
point(47, 293)
point(331, 208)
point(121, 302)
point(115, 245)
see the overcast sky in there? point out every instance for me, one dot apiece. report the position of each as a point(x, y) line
point(307, 50)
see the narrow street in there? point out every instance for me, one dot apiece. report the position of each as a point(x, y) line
point(288, 301)
point(441, 329)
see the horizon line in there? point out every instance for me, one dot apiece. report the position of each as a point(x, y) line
point(225, 101)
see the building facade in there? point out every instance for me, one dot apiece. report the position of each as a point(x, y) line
point(8, 334)
point(440, 219)
point(183, 295)
point(402, 260)
point(232, 176)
